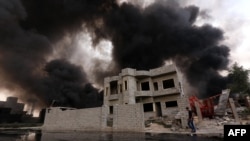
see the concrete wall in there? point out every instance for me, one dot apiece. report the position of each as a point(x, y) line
point(149, 115)
point(159, 80)
point(183, 114)
point(128, 117)
point(168, 111)
point(128, 95)
point(77, 119)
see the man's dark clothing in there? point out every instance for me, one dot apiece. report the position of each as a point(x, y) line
point(191, 121)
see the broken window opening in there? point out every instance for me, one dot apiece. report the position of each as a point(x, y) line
point(111, 109)
point(113, 87)
point(168, 83)
point(63, 109)
point(110, 122)
point(120, 88)
point(171, 104)
point(145, 86)
point(107, 90)
point(125, 83)
point(148, 107)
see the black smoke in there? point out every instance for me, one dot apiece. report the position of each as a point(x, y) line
point(28, 30)
point(142, 38)
point(66, 84)
point(146, 38)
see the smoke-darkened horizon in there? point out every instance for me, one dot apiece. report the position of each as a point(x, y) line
point(142, 38)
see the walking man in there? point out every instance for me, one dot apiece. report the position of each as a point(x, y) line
point(191, 120)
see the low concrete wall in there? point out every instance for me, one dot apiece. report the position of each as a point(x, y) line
point(170, 112)
point(149, 115)
point(77, 119)
point(125, 118)
point(128, 118)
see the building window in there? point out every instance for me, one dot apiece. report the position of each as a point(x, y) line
point(155, 86)
point(145, 86)
point(171, 104)
point(168, 83)
point(120, 88)
point(107, 90)
point(126, 85)
point(111, 109)
point(113, 87)
point(148, 107)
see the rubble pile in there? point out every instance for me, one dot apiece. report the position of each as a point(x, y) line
point(206, 127)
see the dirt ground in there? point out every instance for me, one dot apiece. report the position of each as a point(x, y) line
point(205, 127)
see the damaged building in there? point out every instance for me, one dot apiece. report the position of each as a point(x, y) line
point(130, 99)
point(11, 111)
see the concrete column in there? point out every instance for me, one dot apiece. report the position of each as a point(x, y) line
point(183, 122)
point(154, 107)
point(198, 110)
point(104, 116)
point(222, 105)
point(182, 104)
point(232, 105)
point(115, 117)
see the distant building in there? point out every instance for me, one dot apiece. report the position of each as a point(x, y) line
point(11, 102)
point(11, 110)
point(130, 99)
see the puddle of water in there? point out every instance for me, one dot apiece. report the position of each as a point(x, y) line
point(38, 135)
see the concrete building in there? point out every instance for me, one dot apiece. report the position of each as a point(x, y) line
point(11, 102)
point(157, 89)
point(11, 111)
point(130, 99)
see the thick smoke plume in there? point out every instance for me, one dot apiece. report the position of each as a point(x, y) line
point(142, 38)
point(146, 38)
